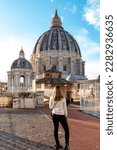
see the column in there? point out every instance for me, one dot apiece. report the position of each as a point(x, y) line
point(37, 67)
point(80, 67)
point(9, 81)
point(72, 66)
point(47, 64)
point(60, 63)
point(83, 68)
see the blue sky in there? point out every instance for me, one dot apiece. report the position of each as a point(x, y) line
point(23, 21)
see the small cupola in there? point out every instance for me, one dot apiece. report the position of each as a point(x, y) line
point(56, 20)
point(21, 53)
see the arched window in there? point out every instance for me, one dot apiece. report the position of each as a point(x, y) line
point(59, 75)
point(22, 80)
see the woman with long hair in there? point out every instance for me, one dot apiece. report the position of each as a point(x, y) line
point(57, 104)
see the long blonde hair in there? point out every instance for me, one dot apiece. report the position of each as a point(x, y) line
point(57, 94)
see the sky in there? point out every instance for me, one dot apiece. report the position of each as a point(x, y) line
point(23, 21)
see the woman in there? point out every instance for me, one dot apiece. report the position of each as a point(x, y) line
point(59, 114)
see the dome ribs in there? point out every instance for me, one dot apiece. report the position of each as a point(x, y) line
point(21, 62)
point(56, 39)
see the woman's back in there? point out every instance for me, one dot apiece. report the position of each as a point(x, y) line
point(60, 107)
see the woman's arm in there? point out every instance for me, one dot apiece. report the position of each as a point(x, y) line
point(51, 102)
point(65, 107)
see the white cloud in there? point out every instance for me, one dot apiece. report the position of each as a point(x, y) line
point(92, 13)
point(10, 47)
point(72, 8)
point(90, 53)
point(87, 45)
point(51, 0)
point(92, 69)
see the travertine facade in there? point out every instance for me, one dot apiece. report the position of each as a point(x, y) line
point(21, 74)
point(56, 47)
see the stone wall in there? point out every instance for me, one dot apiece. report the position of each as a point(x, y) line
point(5, 101)
point(22, 100)
point(28, 99)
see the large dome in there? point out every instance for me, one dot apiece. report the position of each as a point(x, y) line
point(21, 62)
point(56, 38)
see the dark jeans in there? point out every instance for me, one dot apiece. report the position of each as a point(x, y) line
point(62, 119)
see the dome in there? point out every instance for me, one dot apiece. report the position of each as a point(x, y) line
point(21, 62)
point(56, 38)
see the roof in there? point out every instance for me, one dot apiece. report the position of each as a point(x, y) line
point(53, 81)
point(21, 62)
point(56, 38)
point(73, 78)
point(52, 70)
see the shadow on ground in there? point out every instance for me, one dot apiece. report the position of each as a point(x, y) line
point(9, 141)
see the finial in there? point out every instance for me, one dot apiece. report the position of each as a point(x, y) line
point(56, 13)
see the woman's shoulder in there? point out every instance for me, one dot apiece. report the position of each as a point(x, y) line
point(64, 99)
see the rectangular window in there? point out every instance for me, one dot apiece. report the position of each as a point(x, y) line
point(44, 68)
point(64, 68)
point(54, 67)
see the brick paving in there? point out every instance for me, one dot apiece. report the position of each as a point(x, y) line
point(84, 129)
point(33, 130)
point(25, 130)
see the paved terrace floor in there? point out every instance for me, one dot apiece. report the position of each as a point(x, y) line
point(84, 129)
point(33, 130)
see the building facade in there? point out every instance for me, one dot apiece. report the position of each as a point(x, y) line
point(21, 74)
point(89, 91)
point(57, 47)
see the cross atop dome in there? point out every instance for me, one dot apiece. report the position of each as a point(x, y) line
point(56, 20)
point(56, 13)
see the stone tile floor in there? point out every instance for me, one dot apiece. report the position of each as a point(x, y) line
point(25, 130)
